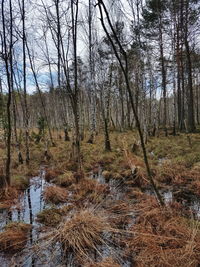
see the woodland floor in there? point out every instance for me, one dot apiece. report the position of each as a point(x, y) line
point(107, 215)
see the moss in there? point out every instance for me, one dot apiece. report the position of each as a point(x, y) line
point(192, 224)
point(191, 159)
point(50, 217)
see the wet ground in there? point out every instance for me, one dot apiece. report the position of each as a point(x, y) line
point(31, 203)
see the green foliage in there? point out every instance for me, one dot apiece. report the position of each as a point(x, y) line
point(42, 124)
point(154, 16)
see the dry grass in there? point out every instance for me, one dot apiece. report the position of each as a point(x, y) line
point(14, 237)
point(107, 175)
point(135, 194)
point(107, 262)
point(164, 237)
point(83, 233)
point(53, 216)
point(65, 179)
point(159, 238)
point(119, 207)
point(20, 182)
point(120, 213)
point(176, 174)
point(88, 190)
point(55, 194)
point(51, 174)
point(107, 158)
point(8, 197)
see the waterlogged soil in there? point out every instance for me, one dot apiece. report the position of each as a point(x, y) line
point(31, 202)
point(182, 195)
point(189, 201)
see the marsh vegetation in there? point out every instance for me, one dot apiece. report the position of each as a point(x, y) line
point(99, 133)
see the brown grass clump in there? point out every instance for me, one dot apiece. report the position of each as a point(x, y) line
point(8, 197)
point(196, 166)
point(55, 194)
point(107, 175)
point(83, 233)
point(196, 187)
point(120, 213)
point(107, 158)
point(50, 217)
point(8, 193)
point(65, 179)
point(20, 182)
point(107, 262)
point(176, 174)
point(51, 174)
point(53, 216)
point(14, 237)
point(136, 194)
point(119, 207)
point(164, 237)
point(88, 190)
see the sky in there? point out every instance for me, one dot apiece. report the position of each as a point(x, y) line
point(36, 24)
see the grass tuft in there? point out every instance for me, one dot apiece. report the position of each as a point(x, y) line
point(14, 237)
point(107, 262)
point(83, 233)
point(53, 216)
point(55, 194)
point(65, 179)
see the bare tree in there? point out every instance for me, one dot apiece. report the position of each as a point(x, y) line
point(125, 71)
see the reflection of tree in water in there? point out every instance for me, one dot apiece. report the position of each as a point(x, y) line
point(30, 206)
point(31, 222)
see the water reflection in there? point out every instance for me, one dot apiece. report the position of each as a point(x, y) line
point(190, 201)
point(31, 202)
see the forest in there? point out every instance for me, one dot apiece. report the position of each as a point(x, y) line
point(100, 133)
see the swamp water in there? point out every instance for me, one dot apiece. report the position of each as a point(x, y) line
point(190, 201)
point(31, 202)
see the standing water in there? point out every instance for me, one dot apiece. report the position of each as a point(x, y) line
point(30, 203)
